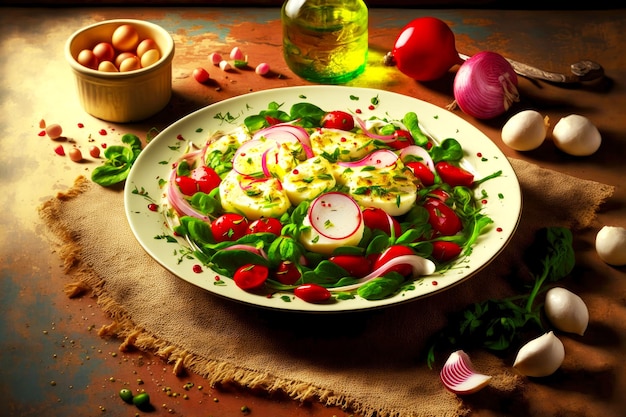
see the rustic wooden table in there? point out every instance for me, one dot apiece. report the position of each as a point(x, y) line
point(52, 361)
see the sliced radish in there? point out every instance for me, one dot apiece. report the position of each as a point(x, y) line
point(382, 158)
point(421, 153)
point(459, 377)
point(335, 215)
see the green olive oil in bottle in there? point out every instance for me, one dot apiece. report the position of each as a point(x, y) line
point(325, 41)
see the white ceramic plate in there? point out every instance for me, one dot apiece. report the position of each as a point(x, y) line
point(501, 196)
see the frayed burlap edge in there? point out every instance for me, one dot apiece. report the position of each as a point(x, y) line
point(122, 327)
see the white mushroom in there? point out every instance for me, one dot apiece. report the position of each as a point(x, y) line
point(525, 130)
point(566, 311)
point(541, 356)
point(576, 135)
point(611, 245)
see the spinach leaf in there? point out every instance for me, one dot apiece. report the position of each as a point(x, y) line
point(118, 161)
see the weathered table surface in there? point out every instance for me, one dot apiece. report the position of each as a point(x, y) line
point(52, 361)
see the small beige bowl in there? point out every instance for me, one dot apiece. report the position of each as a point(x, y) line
point(122, 96)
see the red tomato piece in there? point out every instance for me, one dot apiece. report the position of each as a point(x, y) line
point(421, 171)
point(439, 194)
point(378, 219)
point(403, 139)
point(391, 253)
point(272, 120)
point(266, 225)
point(187, 185)
point(229, 226)
point(454, 175)
point(338, 120)
point(250, 276)
point(287, 273)
point(445, 251)
point(312, 293)
point(442, 218)
point(206, 178)
point(357, 266)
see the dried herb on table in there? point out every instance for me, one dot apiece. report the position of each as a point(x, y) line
point(497, 324)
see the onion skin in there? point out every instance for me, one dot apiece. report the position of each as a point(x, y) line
point(485, 86)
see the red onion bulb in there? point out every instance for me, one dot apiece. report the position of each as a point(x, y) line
point(485, 85)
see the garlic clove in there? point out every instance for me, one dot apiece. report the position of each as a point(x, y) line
point(611, 245)
point(458, 375)
point(576, 135)
point(566, 311)
point(541, 356)
point(525, 130)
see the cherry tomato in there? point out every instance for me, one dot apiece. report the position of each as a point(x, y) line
point(439, 194)
point(403, 139)
point(445, 251)
point(251, 276)
point(425, 49)
point(391, 253)
point(357, 266)
point(338, 120)
point(287, 273)
point(421, 171)
point(201, 75)
point(454, 175)
point(266, 225)
point(442, 218)
point(229, 226)
point(312, 293)
point(206, 178)
point(378, 219)
point(186, 185)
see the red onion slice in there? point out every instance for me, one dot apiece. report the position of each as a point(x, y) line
point(382, 158)
point(384, 138)
point(421, 266)
point(459, 377)
point(178, 202)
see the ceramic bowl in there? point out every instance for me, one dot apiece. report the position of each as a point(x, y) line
point(122, 96)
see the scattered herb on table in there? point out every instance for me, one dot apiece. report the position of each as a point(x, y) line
point(497, 324)
point(118, 161)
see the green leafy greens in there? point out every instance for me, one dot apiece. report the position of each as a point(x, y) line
point(118, 161)
point(496, 324)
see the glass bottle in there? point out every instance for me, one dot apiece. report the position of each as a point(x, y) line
point(325, 41)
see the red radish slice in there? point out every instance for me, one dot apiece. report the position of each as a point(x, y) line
point(421, 266)
point(335, 215)
point(420, 152)
point(382, 158)
point(459, 377)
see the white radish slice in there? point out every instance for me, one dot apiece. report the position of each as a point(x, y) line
point(458, 375)
point(335, 215)
point(382, 158)
point(421, 153)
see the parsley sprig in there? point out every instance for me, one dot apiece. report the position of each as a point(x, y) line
point(497, 324)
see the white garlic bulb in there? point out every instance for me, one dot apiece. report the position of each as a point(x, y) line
point(525, 130)
point(541, 356)
point(576, 135)
point(611, 245)
point(566, 311)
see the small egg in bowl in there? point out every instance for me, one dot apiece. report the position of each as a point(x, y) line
point(122, 68)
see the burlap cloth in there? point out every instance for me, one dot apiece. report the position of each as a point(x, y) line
point(369, 362)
